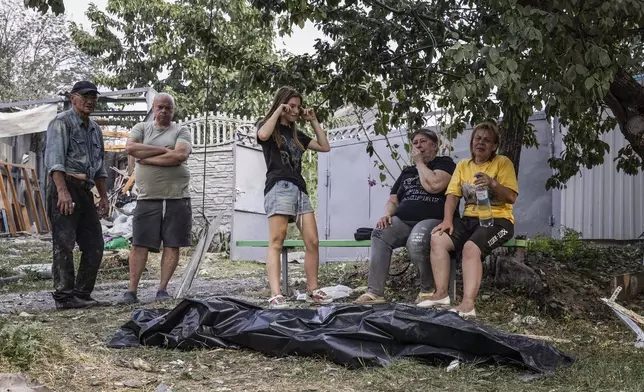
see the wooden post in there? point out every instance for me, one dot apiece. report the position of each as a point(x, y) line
point(40, 199)
point(32, 202)
point(14, 196)
point(7, 206)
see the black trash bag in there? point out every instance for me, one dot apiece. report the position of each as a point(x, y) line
point(350, 335)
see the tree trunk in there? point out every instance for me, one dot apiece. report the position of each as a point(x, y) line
point(626, 100)
point(512, 131)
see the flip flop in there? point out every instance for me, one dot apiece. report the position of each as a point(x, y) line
point(369, 299)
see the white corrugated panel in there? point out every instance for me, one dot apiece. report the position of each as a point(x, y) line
point(603, 203)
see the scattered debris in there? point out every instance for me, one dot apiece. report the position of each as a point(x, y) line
point(335, 292)
point(527, 320)
point(629, 317)
point(163, 388)
point(177, 362)
point(43, 271)
point(546, 338)
point(115, 259)
point(18, 382)
point(531, 377)
point(453, 365)
point(133, 383)
point(137, 364)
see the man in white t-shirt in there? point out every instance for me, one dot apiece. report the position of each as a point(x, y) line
point(163, 212)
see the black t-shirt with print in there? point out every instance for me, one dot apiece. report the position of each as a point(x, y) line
point(284, 162)
point(415, 203)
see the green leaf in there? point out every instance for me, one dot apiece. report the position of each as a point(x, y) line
point(459, 91)
point(383, 177)
point(494, 54)
point(511, 64)
point(604, 60)
point(459, 55)
point(570, 75)
point(581, 70)
point(589, 83)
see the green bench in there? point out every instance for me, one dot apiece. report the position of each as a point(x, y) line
point(290, 244)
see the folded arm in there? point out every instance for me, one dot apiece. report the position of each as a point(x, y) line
point(142, 151)
point(174, 157)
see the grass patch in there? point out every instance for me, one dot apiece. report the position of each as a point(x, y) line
point(20, 346)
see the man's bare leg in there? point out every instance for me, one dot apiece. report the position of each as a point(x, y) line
point(169, 262)
point(138, 259)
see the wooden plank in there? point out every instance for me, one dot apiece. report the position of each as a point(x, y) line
point(14, 196)
point(32, 203)
point(202, 247)
point(627, 312)
point(632, 285)
point(40, 199)
point(7, 206)
point(128, 184)
point(124, 135)
point(114, 147)
point(15, 165)
point(25, 218)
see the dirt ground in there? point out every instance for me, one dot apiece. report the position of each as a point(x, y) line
point(65, 350)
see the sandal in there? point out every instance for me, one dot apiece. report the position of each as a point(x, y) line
point(422, 296)
point(464, 315)
point(277, 302)
point(318, 296)
point(369, 299)
point(435, 303)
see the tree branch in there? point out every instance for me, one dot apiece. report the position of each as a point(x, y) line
point(418, 14)
point(405, 54)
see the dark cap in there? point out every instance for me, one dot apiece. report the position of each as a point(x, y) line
point(431, 135)
point(83, 87)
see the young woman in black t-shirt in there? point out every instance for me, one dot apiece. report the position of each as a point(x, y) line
point(285, 196)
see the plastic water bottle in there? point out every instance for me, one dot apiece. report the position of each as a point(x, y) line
point(483, 207)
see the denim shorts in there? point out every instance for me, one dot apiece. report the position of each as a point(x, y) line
point(285, 198)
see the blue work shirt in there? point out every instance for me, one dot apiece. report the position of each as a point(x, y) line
point(73, 148)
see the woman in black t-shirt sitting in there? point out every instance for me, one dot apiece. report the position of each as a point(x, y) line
point(414, 208)
point(285, 196)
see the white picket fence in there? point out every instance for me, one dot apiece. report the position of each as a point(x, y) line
point(219, 129)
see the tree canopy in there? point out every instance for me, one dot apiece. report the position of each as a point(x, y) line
point(478, 59)
point(36, 57)
point(174, 47)
point(471, 59)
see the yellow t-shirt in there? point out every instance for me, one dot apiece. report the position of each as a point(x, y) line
point(462, 184)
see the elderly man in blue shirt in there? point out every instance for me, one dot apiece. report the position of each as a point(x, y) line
point(74, 160)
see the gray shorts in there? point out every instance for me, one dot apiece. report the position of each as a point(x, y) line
point(157, 221)
point(285, 198)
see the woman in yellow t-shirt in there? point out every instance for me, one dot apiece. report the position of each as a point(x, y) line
point(484, 169)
